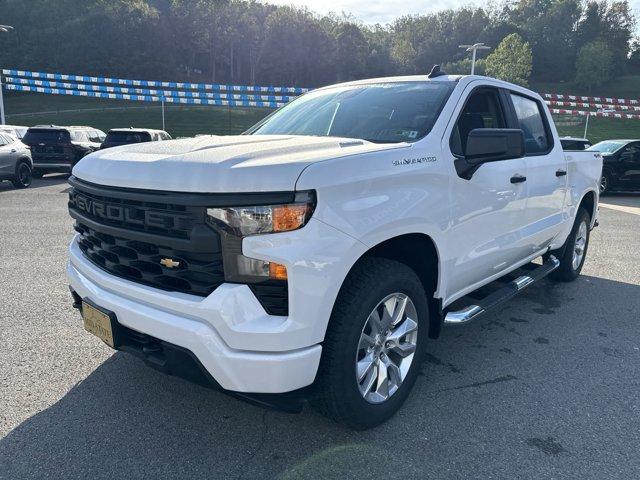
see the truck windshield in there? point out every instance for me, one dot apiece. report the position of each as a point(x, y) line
point(607, 146)
point(381, 113)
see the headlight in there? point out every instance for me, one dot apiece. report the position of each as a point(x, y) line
point(254, 220)
point(238, 222)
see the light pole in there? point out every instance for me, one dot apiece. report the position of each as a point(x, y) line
point(474, 48)
point(3, 28)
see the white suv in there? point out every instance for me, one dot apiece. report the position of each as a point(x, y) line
point(15, 161)
point(313, 256)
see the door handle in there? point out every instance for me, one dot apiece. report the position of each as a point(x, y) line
point(518, 179)
point(561, 173)
point(13, 150)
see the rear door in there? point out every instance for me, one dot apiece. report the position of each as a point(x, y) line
point(546, 172)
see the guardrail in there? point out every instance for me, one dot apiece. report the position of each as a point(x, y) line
point(152, 83)
point(143, 98)
point(149, 92)
point(577, 98)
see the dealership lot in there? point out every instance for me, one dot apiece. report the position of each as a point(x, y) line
point(547, 387)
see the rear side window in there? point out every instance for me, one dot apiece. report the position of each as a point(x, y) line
point(79, 136)
point(530, 119)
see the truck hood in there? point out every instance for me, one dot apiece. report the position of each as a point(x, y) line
point(211, 164)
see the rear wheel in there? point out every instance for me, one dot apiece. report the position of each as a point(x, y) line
point(374, 344)
point(23, 176)
point(574, 252)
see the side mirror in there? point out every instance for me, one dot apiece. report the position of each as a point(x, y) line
point(489, 145)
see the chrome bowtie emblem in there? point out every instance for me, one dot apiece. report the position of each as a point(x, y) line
point(169, 263)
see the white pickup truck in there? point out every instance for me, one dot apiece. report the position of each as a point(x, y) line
point(312, 257)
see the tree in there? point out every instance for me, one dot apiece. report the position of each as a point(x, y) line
point(634, 57)
point(511, 61)
point(594, 65)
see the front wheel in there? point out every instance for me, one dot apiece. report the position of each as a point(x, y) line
point(23, 176)
point(374, 344)
point(574, 252)
point(605, 184)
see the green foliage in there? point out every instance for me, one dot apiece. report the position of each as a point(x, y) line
point(511, 61)
point(250, 41)
point(594, 65)
point(463, 67)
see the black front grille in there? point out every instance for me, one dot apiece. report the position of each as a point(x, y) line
point(152, 217)
point(152, 264)
point(163, 240)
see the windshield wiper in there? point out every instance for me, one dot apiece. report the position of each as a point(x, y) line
point(375, 140)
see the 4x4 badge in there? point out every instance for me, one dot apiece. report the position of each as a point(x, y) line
point(169, 263)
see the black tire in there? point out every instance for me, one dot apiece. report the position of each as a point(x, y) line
point(605, 184)
point(336, 391)
point(568, 271)
point(23, 175)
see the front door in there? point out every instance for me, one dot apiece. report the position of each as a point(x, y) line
point(629, 166)
point(486, 210)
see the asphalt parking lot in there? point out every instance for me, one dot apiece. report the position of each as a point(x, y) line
point(549, 387)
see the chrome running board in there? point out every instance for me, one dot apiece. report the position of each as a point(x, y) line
point(510, 290)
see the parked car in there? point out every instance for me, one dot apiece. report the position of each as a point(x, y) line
point(15, 130)
point(314, 255)
point(126, 136)
point(621, 165)
point(574, 143)
point(58, 149)
point(15, 161)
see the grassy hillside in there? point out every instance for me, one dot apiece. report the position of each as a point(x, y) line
point(621, 87)
point(31, 109)
point(181, 121)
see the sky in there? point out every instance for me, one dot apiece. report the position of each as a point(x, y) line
point(383, 11)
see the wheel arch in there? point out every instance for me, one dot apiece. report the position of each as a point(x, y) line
point(590, 203)
point(420, 253)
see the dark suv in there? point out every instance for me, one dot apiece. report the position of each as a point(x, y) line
point(58, 149)
point(620, 165)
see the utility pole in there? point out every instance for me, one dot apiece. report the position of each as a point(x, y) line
point(3, 28)
point(474, 48)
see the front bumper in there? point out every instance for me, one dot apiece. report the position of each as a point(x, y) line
point(186, 321)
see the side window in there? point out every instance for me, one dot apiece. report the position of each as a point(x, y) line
point(530, 118)
point(631, 153)
point(3, 140)
point(94, 136)
point(482, 110)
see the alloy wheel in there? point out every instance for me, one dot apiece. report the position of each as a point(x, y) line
point(386, 348)
point(580, 246)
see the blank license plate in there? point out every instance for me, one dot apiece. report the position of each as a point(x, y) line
point(98, 323)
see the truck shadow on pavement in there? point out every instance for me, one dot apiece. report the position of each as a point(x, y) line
point(507, 386)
